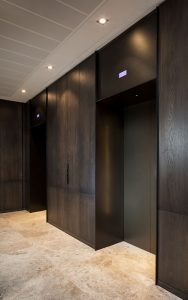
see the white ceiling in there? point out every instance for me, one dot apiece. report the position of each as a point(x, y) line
point(36, 33)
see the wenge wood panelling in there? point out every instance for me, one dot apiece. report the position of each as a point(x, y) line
point(71, 165)
point(140, 176)
point(133, 51)
point(52, 135)
point(72, 147)
point(87, 150)
point(172, 252)
point(173, 106)
point(11, 167)
point(61, 132)
point(51, 152)
point(26, 154)
point(61, 160)
point(173, 145)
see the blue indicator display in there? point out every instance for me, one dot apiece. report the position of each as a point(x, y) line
point(123, 74)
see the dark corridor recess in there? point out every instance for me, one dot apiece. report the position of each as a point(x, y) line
point(38, 168)
point(37, 153)
point(140, 176)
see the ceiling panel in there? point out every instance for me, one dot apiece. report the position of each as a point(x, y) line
point(11, 80)
point(52, 10)
point(32, 22)
point(13, 73)
point(12, 65)
point(10, 72)
point(27, 37)
point(83, 5)
point(17, 58)
point(22, 49)
point(6, 92)
point(9, 85)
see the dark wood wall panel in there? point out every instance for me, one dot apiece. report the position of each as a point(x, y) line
point(73, 103)
point(173, 145)
point(71, 162)
point(51, 147)
point(11, 167)
point(52, 135)
point(86, 138)
point(87, 128)
point(26, 154)
point(61, 159)
point(173, 254)
point(173, 105)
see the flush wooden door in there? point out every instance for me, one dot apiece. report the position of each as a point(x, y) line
point(71, 129)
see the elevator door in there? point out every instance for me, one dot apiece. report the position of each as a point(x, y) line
point(140, 176)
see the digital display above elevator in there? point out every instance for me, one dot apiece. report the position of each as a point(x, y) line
point(123, 74)
point(129, 60)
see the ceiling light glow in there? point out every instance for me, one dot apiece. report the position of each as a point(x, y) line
point(102, 21)
point(50, 67)
point(23, 91)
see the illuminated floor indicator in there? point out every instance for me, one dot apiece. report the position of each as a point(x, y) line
point(123, 74)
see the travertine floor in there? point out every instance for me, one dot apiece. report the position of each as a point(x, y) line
point(38, 261)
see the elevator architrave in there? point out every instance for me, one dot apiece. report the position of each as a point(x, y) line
point(118, 185)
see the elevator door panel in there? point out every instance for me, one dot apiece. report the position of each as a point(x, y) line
point(140, 176)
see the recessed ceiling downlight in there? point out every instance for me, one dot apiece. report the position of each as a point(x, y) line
point(102, 21)
point(50, 67)
point(23, 91)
